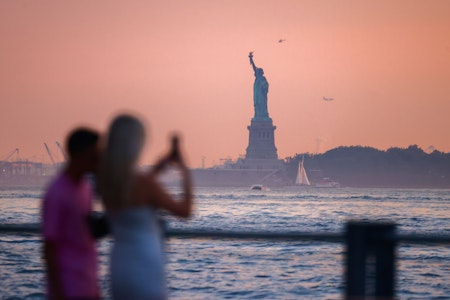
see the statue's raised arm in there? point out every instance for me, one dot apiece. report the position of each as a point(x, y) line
point(250, 55)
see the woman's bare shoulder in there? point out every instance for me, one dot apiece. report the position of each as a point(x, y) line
point(145, 188)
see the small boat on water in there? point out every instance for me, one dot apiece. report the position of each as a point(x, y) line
point(328, 183)
point(259, 187)
point(303, 180)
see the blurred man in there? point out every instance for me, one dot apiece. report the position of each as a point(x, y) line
point(69, 248)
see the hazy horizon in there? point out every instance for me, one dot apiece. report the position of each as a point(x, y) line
point(183, 66)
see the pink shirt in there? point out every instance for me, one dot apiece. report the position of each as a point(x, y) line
point(65, 208)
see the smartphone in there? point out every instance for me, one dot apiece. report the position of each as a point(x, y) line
point(175, 143)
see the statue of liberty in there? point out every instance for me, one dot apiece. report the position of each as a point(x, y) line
point(260, 90)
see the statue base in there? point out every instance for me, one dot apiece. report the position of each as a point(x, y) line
point(261, 143)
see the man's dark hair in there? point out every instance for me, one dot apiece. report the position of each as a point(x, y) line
point(81, 139)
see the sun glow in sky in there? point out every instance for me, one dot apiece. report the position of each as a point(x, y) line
point(183, 66)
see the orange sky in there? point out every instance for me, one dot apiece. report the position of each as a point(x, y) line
point(184, 66)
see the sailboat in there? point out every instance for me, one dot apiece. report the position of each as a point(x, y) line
point(302, 177)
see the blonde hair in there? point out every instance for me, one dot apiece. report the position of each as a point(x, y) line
point(125, 140)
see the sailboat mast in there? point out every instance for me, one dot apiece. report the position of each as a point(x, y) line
point(302, 177)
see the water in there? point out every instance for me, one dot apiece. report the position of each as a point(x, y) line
point(240, 269)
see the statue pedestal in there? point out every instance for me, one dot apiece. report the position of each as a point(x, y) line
point(261, 144)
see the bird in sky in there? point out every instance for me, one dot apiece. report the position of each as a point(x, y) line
point(281, 41)
point(328, 99)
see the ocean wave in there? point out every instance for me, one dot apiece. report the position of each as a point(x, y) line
point(20, 196)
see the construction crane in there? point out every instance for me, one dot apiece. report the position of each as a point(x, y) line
point(62, 151)
point(8, 156)
point(50, 154)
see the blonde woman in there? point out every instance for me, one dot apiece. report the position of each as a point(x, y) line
point(131, 198)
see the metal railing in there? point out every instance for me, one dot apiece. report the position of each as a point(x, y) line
point(369, 257)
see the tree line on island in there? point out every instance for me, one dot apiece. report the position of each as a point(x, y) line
point(357, 166)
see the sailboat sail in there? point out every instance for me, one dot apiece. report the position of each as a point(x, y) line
point(302, 178)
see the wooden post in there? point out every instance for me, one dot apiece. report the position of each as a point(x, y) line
point(385, 261)
point(356, 260)
point(370, 261)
